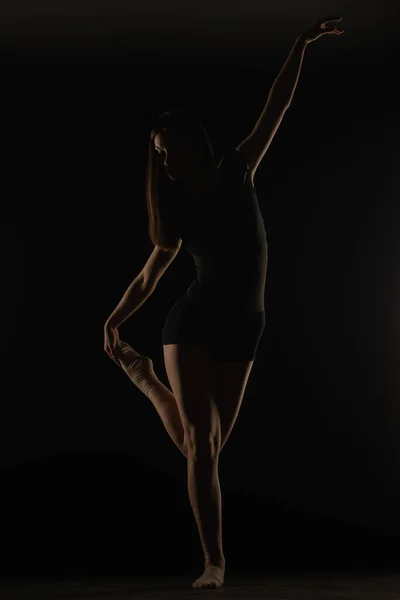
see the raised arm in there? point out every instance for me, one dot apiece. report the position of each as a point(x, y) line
point(280, 96)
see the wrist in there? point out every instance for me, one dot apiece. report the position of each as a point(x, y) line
point(111, 323)
point(303, 40)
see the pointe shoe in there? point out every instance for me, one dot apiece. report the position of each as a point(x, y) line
point(139, 368)
point(127, 353)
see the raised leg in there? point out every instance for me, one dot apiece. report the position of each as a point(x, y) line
point(140, 371)
point(232, 379)
point(164, 402)
point(199, 416)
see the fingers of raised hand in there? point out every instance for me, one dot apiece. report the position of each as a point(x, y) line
point(329, 25)
point(323, 22)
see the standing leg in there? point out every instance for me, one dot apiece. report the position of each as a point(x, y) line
point(192, 375)
point(206, 500)
point(232, 382)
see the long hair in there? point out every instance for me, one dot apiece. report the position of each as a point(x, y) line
point(160, 190)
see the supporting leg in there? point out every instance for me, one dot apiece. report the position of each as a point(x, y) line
point(205, 498)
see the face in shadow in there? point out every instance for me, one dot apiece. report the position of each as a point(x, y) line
point(181, 160)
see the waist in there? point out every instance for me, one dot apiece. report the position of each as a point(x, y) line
point(224, 301)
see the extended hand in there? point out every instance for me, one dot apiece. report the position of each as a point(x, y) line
point(323, 27)
point(111, 337)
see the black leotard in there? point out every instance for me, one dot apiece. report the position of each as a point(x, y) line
point(223, 230)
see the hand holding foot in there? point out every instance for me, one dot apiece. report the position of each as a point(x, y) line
point(138, 368)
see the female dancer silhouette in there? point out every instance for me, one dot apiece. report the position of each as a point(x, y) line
point(211, 334)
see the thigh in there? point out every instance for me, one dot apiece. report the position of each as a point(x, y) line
point(231, 386)
point(192, 374)
point(235, 339)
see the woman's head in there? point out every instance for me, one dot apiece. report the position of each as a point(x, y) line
point(181, 145)
point(179, 157)
point(179, 151)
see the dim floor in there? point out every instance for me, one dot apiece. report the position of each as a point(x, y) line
point(303, 587)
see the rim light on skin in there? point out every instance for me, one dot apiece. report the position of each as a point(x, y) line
point(182, 162)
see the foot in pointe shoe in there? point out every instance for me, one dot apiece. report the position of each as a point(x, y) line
point(139, 368)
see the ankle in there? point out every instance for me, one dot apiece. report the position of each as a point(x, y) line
point(215, 559)
point(216, 562)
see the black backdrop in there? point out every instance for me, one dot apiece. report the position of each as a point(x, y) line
point(310, 476)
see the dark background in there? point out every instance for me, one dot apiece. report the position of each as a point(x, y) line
point(90, 480)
